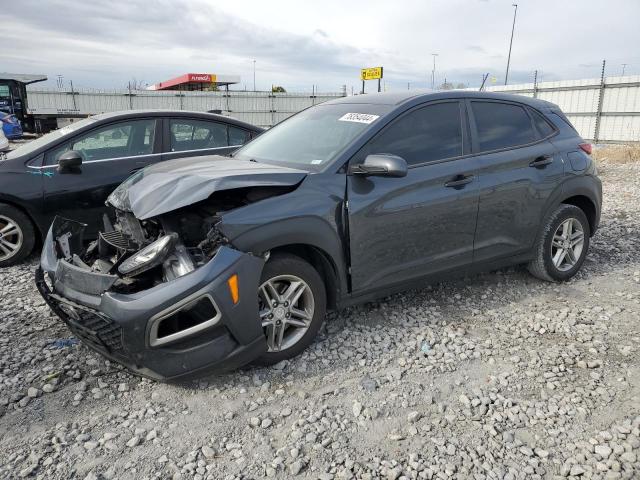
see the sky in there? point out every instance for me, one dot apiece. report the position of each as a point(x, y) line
point(300, 44)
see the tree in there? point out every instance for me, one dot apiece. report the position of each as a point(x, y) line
point(135, 84)
point(278, 89)
point(446, 86)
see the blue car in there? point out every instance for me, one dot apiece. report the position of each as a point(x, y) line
point(11, 126)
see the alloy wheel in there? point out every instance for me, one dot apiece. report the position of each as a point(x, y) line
point(286, 307)
point(10, 238)
point(567, 244)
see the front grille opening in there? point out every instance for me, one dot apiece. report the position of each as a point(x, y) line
point(195, 313)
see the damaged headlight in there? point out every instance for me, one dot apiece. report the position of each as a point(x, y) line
point(119, 198)
point(150, 256)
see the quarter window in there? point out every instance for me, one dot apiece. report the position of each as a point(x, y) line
point(238, 136)
point(430, 133)
point(501, 125)
point(197, 135)
point(544, 129)
point(124, 139)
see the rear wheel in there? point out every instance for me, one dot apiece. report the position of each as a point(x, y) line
point(292, 306)
point(17, 235)
point(562, 245)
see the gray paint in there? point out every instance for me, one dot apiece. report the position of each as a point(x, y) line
point(173, 184)
point(380, 234)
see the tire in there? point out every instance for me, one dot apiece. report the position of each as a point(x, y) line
point(282, 274)
point(545, 265)
point(22, 234)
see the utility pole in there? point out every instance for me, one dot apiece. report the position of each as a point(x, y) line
point(624, 66)
point(254, 75)
point(433, 72)
point(513, 27)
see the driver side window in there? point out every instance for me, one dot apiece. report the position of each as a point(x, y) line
point(125, 139)
point(427, 134)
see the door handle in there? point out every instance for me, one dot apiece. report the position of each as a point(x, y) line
point(459, 181)
point(542, 161)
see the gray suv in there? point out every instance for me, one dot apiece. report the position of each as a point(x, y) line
point(216, 262)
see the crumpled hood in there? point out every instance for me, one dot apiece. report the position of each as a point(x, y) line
point(173, 184)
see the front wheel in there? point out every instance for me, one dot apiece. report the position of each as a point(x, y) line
point(562, 245)
point(17, 235)
point(292, 306)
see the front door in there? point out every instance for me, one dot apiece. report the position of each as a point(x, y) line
point(405, 228)
point(110, 154)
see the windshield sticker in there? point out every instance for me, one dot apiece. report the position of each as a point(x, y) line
point(358, 118)
point(316, 162)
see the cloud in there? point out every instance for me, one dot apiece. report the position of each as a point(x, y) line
point(476, 48)
point(104, 44)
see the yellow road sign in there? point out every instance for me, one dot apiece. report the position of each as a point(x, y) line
point(373, 73)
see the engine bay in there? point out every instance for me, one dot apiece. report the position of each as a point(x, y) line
point(144, 253)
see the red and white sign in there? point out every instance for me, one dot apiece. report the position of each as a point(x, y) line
point(201, 77)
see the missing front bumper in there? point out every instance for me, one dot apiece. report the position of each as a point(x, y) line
point(123, 327)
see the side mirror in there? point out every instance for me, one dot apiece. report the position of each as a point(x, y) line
point(71, 160)
point(381, 165)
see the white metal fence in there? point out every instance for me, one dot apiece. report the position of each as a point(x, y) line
point(602, 110)
point(259, 108)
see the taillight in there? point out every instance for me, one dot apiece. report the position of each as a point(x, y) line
point(586, 148)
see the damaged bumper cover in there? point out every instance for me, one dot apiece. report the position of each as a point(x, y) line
point(184, 327)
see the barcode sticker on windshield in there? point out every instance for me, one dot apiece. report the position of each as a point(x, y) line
point(358, 117)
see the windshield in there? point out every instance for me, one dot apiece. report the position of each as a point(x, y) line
point(314, 137)
point(34, 145)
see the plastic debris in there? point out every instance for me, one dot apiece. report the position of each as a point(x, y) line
point(65, 342)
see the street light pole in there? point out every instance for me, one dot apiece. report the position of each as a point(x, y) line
point(433, 72)
point(254, 75)
point(624, 66)
point(513, 27)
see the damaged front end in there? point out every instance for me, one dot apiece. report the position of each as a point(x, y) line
point(167, 296)
point(161, 290)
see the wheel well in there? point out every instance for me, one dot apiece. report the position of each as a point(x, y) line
point(322, 262)
point(586, 205)
point(39, 236)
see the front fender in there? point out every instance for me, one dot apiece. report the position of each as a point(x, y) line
point(312, 231)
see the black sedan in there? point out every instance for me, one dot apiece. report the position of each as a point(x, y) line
point(71, 171)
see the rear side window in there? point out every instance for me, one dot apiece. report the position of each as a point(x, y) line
point(502, 125)
point(430, 133)
point(544, 129)
point(187, 134)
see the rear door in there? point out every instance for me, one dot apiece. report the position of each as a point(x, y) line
point(518, 169)
point(110, 154)
point(190, 137)
point(405, 228)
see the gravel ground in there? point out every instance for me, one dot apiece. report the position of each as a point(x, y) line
point(498, 376)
